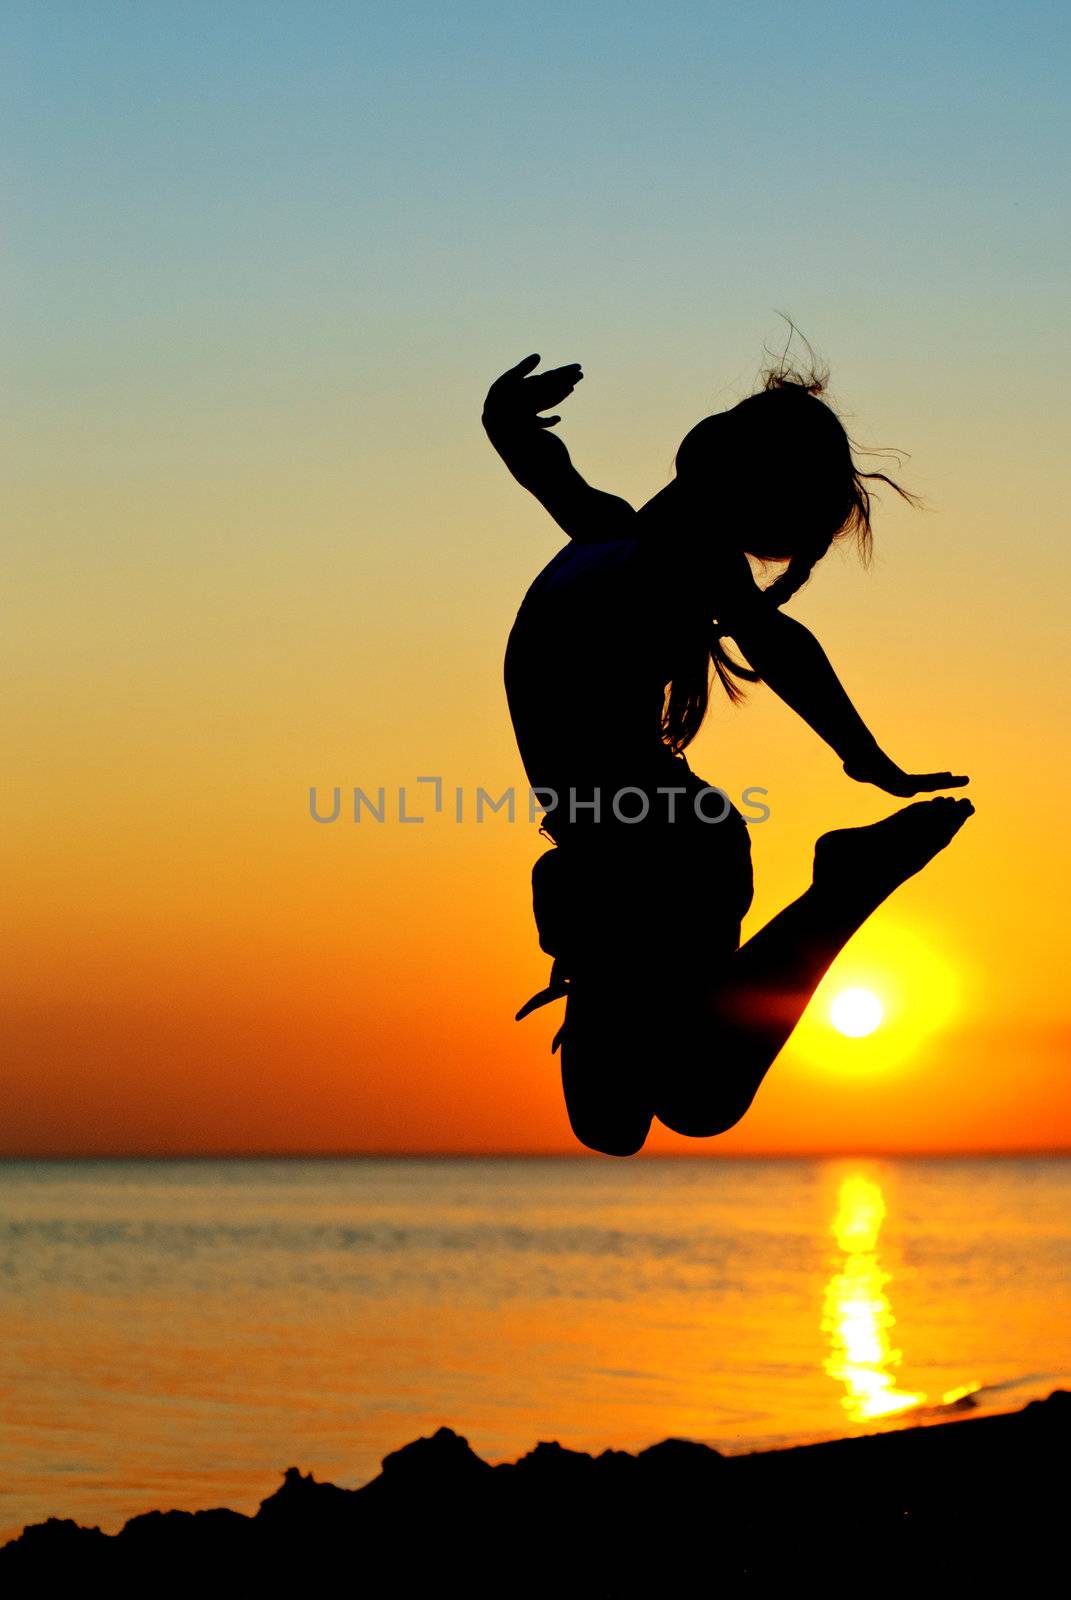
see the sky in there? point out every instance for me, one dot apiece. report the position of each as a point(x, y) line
point(262, 263)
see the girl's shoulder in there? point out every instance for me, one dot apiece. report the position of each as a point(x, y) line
point(581, 564)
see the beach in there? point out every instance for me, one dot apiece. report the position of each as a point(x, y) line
point(178, 1332)
point(956, 1502)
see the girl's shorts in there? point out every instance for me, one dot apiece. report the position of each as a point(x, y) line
point(668, 898)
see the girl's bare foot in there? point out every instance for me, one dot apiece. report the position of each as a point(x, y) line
point(859, 867)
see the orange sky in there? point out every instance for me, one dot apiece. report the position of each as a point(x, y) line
point(197, 965)
point(261, 543)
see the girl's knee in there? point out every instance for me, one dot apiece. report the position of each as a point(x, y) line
point(707, 1086)
point(604, 1069)
point(612, 1138)
point(702, 1117)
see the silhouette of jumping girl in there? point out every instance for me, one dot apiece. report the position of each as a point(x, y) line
point(607, 671)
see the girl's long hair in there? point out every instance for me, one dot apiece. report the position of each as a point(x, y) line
point(701, 640)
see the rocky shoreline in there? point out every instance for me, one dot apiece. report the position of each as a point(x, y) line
point(943, 1504)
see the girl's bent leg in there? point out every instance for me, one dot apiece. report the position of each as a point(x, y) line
point(732, 1033)
point(606, 1074)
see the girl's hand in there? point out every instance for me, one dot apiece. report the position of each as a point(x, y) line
point(517, 398)
point(876, 768)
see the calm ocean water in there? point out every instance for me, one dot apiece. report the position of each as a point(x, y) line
point(176, 1333)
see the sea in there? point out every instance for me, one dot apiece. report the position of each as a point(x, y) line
point(176, 1333)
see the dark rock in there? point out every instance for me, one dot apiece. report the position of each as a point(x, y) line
point(300, 1496)
point(185, 1532)
point(969, 1501)
point(445, 1457)
point(677, 1456)
point(59, 1536)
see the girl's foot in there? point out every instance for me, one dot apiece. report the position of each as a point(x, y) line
point(859, 867)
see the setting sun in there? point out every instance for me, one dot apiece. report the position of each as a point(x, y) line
point(883, 1005)
point(856, 1012)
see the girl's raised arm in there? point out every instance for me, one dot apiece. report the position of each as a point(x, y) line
point(539, 460)
point(788, 657)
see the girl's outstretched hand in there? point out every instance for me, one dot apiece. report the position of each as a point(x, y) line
point(517, 397)
point(876, 768)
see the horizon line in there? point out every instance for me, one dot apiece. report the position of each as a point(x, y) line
point(853, 1152)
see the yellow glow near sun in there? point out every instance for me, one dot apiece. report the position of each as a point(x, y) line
point(856, 1012)
point(912, 992)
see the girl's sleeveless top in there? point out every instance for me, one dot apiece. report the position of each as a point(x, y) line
point(586, 668)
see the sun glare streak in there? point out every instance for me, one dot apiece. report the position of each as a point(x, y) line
point(857, 1314)
point(952, 1397)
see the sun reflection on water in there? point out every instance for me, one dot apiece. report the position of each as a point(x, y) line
point(857, 1314)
